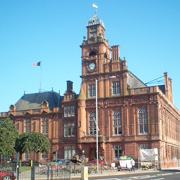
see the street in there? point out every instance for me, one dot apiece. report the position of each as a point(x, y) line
point(163, 175)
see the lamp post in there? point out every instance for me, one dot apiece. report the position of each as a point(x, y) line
point(97, 129)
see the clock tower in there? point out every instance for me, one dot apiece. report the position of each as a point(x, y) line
point(101, 66)
point(100, 61)
point(95, 49)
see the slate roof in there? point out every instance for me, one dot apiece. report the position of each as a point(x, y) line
point(95, 21)
point(33, 101)
point(134, 82)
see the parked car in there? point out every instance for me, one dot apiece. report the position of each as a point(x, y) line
point(28, 163)
point(63, 161)
point(100, 162)
point(6, 175)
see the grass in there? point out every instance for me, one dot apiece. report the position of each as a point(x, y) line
point(25, 168)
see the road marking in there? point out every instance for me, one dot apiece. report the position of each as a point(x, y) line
point(111, 179)
point(166, 174)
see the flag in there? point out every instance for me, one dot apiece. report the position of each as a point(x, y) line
point(95, 6)
point(37, 64)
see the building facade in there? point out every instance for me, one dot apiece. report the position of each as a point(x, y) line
point(131, 115)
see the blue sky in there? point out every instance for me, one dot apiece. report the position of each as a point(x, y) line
point(51, 31)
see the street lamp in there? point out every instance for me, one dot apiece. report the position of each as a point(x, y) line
point(97, 129)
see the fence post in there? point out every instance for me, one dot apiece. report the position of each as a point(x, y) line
point(47, 172)
point(51, 173)
point(57, 168)
point(32, 171)
point(17, 159)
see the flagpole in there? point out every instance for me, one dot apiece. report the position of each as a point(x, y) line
point(40, 77)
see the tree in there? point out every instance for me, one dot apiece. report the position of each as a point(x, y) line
point(32, 142)
point(8, 135)
point(20, 143)
point(37, 142)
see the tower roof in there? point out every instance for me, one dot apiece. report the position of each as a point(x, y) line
point(95, 21)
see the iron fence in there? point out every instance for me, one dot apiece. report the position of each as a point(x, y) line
point(43, 172)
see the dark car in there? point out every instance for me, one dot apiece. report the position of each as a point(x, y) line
point(6, 175)
point(28, 163)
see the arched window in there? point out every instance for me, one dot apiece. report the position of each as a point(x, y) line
point(92, 124)
point(92, 53)
point(117, 123)
point(143, 121)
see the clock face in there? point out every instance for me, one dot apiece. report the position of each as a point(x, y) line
point(92, 66)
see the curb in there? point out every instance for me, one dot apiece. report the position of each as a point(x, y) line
point(115, 174)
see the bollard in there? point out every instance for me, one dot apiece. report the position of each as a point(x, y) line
point(84, 173)
point(32, 171)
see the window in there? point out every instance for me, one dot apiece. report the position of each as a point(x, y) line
point(27, 126)
point(69, 130)
point(92, 91)
point(92, 124)
point(117, 123)
point(116, 88)
point(117, 151)
point(143, 146)
point(27, 156)
point(44, 126)
point(69, 111)
point(69, 152)
point(18, 126)
point(44, 156)
point(92, 53)
point(143, 122)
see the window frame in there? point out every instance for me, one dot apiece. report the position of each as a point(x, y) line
point(118, 151)
point(69, 130)
point(92, 90)
point(69, 111)
point(92, 124)
point(44, 156)
point(116, 88)
point(69, 152)
point(143, 146)
point(27, 156)
point(143, 121)
point(44, 126)
point(117, 123)
point(27, 126)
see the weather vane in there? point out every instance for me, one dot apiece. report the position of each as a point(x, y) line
point(95, 8)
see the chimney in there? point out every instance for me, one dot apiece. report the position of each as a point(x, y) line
point(69, 86)
point(168, 87)
point(115, 53)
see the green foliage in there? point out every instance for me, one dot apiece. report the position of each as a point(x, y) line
point(32, 142)
point(37, 142)
point(20, 143)
point(8, 135)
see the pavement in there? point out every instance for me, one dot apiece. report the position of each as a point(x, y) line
point(115, 173)
point(104, 173)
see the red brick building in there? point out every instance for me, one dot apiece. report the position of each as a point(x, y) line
point(131, 115)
